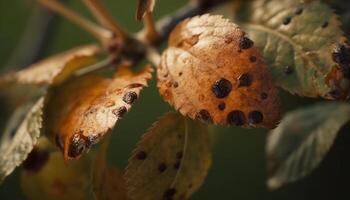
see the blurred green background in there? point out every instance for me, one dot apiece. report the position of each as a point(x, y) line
point(238, 170)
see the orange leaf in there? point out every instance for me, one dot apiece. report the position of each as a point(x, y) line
point(212, 71)
point(81, 111)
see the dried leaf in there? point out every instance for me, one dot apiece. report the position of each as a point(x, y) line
point(16, 146)
point(79, 112)
point(57, 180)
point(301, 141)
point(108, 183)
point(171, 161)
point(211, 71)
point(54, 69)
point(304, 46)
point(144, 6)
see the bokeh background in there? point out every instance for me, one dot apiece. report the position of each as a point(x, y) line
point(239, 167)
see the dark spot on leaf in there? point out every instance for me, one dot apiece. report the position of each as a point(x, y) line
point(324, 24)
point(120, 112)
point(130, 97)
point(341, 54)
point(222, 88)
point(236, 117)
point(245, 43)
point(255, 117)
point(169, 194)
point(190, 185)
point(244, 80)
point(298, 11)
point(252, 59)
point(288, 69)
point(92, 140)
point(77, 145)
point(134, 85)
point(286, 20)
point(180, 73)
point(162, 167)
point(179, 155)
point(176, 84)
point(263, 95)
point(36, 160)
point(222, 106)
point(141, 155)
point(204, 116)
point(177, 165)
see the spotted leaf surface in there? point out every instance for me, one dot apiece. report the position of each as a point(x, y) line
point(304, 46)
point(80, 111)
point(108, 182)
point(171, 161)
point(301, 141)
point(56, 68)
point(212, 71)
point(55, 180)
point(144, 6)
point(18, 143)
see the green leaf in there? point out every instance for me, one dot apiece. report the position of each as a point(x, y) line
point(14, 148)
point(301, 141)
point(299, 42)
point(108, 182)
point(171, 161)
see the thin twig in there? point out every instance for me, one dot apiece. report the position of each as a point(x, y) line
point(153, 55)
point(151, 33)
point(103, 17)
point(100, 33)
point(97, 66)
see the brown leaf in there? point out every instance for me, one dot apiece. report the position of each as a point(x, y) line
point(80, 111)
point(55, 69)
point(212, 71)
point(144, 6)
point(171, 161)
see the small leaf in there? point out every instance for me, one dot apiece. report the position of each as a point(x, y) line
point(79, 112)
point(144, 6)
point(16, 146)
point(171, 161)
point(301, 141)
point(212, 72)
point(54, 69)
point(57, 180)
point(304, 46)
point(108, 183)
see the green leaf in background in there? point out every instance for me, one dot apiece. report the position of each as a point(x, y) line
point(300, 142)
point(15, 147)
point(171, 161)
point(304, 46)
point(107, 182)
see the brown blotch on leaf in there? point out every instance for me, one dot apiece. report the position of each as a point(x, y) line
point(245, 43)
point(255, 117)
point(263, 95)
point(135, 85)
point(288, 69)
point(204, 116)
point(236, 117)
point(341, 54)
point(286, 20)
point(180, 73)
point(120, 112)
point(222, 88)
point(162, 167)
point(298, 11)
point(222, 106)
point(141, 155)
point(77, 145)
point(179, 155)
point(36, 160)
point(252, 59)
point(176, 84)
point(244, 80)
point(130, 97)
point(177, 165)
point(169, 194)
point(324, 24)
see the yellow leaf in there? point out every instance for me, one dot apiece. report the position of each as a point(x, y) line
point(171, 161)
point(79, 112)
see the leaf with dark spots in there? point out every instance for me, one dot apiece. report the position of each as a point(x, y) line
point(83, 110)
point(221, 69)
point(299, 144)
point(301, 46)
point(178, 153)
